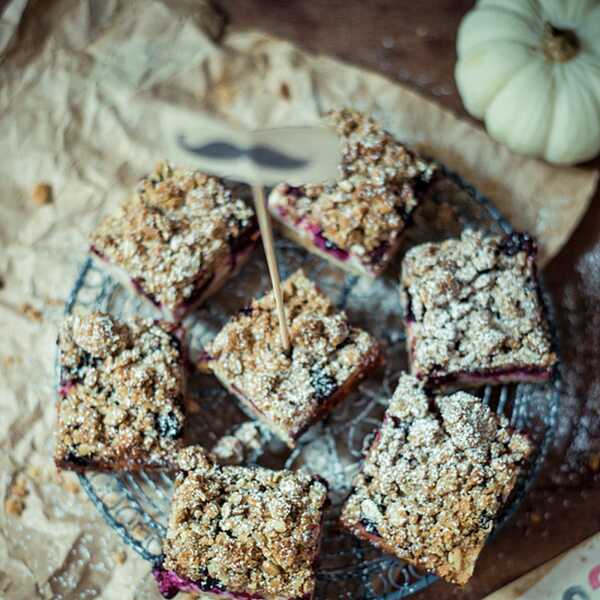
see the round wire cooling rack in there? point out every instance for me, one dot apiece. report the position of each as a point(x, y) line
point(137, 505)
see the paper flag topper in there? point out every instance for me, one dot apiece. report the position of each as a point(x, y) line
point(296, 155)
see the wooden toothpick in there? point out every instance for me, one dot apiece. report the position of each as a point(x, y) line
point(266, 232)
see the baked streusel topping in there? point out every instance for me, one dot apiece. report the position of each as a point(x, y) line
point(370, 202)
point(473, 304)
point(435, 478)
point(235, 448)
point(247, 530)
point(289, 389)
point(121, 393)
point(177, 229)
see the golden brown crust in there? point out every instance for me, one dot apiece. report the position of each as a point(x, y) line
point(247, 530)
point(120, 404)
point(289, 390)
point(435, 479)
point(365, 211)
point(473, 305)
point(173, 235)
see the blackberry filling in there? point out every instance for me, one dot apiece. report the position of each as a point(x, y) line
point(294, 191)
point(396, 422)
point(518, 242)
point(370, 527)
point(410, 315)
point(240, 243)
point(376, 256)
point(198, 292)
point(169, 426)
point(73, 458)
point(328, 246)
point(169, 583)
point(246, 311)
point(323, 384)
point(454, 377)
point(139, 288)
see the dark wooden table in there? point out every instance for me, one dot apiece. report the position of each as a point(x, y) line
point(414, 42)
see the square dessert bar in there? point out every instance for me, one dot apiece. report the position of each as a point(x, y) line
point(435, 479)
point(120, 403)
point(473, 310)
point(291, 392)
point(239, 532)
point(178, 240)
point(357, 222)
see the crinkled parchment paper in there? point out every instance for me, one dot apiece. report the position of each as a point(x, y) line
point(87, 90)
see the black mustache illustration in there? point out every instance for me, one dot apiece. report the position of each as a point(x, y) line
point(261, 155)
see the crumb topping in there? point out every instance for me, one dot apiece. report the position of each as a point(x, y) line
point(373, 196)
point(435, 479)
point(289, 389)
point(473, 304)
point(121, 392)
point(237, 448)
point(171, 236)
point(247, 530)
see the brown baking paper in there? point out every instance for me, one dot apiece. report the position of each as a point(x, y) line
point(88, 91)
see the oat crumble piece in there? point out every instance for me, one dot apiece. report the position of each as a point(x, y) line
point(41, 193)
point(120, 403)
point(474, 312)
point(239, 530)
point(435, 479)
point(177, 241)
point(241, 445)
point(291, 392)
point(358, 221)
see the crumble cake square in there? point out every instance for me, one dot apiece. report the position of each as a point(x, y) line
point(358, 221)
point(473, 310)
point(120, 403)
point(242, 532)
point(178, 240)
point(435, 479)
point(291, 392)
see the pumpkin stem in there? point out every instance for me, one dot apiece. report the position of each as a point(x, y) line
point(560, 45)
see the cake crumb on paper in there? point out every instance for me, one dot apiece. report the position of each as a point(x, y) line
point(19, 487)
point(70, 484)
point(32, 313)
point(14, 507)
point(41, 194)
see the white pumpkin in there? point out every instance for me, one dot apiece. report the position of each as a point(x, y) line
point(531, 70)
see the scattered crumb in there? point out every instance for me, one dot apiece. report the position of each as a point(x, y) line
point(71, 485)
point(30, 312)
point(41, 194)
point(284, 90)
point(19, 487)
point(594, 462)
point(10, 361)
point(33, 472)
point(120, 556)
point(14, 507)
point(238, 448)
